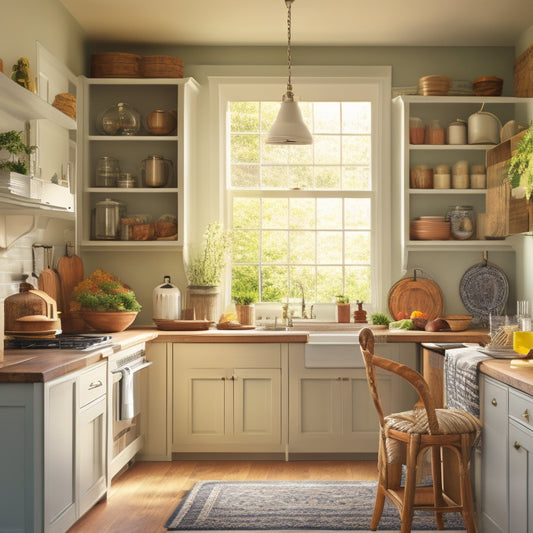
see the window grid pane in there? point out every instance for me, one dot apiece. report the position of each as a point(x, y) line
point(321, 241)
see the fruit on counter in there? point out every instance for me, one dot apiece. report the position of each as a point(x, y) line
point(404, 323)
point(401, 315)
point(419, 323)
point(228, 317)
point(438, 324)
point(418, 314)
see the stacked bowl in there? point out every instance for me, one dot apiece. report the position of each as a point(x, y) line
point(487, 86)
point(434, 85)
point(429, 228)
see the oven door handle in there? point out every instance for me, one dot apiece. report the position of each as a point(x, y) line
point(133, 369)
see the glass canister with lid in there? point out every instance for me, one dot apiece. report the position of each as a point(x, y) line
point(462, 222)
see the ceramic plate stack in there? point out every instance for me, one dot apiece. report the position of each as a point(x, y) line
point(15, 184)
point(430, 228)
point(487, 86)
point(434, 85)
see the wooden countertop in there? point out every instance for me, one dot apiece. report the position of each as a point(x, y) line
point(503, 370)
point(37, 366)
point(29, 366)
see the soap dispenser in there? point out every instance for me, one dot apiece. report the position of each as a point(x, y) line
point(166, 301)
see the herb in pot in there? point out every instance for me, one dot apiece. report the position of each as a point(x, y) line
point(380, 319)
point(520, 166)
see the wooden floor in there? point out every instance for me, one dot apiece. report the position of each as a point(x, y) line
point(142, 498)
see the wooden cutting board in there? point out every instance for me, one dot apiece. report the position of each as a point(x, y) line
point(415, 294)
point(70, 270)
point(48, 281)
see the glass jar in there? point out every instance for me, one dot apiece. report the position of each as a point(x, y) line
point(119, 119)
point(462, 219)
point(107, 171)
point(434, 133)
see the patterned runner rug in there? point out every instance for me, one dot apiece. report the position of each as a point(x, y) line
point(291, 505)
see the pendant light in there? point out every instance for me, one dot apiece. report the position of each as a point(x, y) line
point(289, 126)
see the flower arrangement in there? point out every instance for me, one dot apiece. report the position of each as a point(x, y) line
point(205, 269)
point(102, 291)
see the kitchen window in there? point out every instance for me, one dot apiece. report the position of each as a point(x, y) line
point(311, 217)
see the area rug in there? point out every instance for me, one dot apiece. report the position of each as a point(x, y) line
point(291, 505)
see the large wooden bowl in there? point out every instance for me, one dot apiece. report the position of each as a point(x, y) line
point(457, 322)
point(109, 322)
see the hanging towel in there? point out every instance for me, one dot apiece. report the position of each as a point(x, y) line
point(461, 379)
point(126, 394)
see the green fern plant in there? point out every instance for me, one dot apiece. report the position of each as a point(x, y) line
point(11, 141)
point(520, 166)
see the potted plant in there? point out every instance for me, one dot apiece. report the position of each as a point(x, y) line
point(19, 152)
point(520, 165)
point(204, 272)
point(104, 302)
point(343, 308)
point(245, 308)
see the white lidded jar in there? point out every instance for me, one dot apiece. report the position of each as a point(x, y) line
point(166, 301)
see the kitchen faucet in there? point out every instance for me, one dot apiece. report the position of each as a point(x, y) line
point(304, 312)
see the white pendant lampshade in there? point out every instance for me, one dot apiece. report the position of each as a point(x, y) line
point(289, 126)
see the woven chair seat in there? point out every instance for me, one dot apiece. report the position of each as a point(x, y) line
point(451, 422)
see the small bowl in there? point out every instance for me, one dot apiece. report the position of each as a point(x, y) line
point(457, 322)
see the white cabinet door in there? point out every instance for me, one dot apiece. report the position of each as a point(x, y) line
point(494, 409)
point(520, 478)
point(201, 410)
point(92, 479)
point(60, 407)
point(257, 405)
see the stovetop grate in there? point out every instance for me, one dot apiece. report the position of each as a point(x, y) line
point(60, 342)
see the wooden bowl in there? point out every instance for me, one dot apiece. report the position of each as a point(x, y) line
point(457, 322)
point(109, 322)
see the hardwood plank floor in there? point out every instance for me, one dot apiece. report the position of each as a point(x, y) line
point(142, 498)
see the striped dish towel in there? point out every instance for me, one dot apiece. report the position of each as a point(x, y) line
point(461, 379)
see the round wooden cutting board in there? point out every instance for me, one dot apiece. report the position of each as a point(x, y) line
point(415, 294)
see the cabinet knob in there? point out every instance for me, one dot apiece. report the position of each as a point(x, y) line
point(517, 445)
point(494, 402)
point(223, 378)
point(525, 415)
point(234, 378)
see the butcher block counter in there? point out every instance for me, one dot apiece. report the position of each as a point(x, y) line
point(36, 366)
point(33, 365)
point(503, 370)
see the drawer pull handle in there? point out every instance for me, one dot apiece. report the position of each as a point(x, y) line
point(525, 415)
point(345, 379)
point(234, 378)
point(95, 384)
point(517, 445)
point(223, 378)
point(494, 402)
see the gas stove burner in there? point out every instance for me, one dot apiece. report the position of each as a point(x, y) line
point(61, 342)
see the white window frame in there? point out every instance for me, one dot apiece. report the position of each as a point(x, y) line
point(333, 84)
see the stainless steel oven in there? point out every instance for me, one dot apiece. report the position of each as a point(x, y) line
point(126, 438)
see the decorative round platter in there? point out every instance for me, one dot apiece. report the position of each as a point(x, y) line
point(484, 289)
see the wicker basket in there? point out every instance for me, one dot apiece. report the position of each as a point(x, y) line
point(523, 74)
point(115, 65)
point(66, 103)
point(161, 67)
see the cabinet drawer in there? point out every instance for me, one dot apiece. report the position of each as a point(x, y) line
point(521, 407)
point(93, 384)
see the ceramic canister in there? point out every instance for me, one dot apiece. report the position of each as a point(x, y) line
point(166, 301)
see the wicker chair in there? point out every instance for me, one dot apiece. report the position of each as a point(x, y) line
point(404, 440)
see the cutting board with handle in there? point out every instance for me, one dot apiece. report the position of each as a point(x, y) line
point(416, 294)
point(48, 281)
point(70, 271)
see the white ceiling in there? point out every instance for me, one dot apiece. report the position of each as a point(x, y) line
point(314, 22)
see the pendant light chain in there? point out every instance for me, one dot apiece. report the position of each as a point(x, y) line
point(288, 3)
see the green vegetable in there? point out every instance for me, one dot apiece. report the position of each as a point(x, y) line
point(405, 323)
point(380, 319)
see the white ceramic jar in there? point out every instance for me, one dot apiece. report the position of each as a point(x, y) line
point(166, 301)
